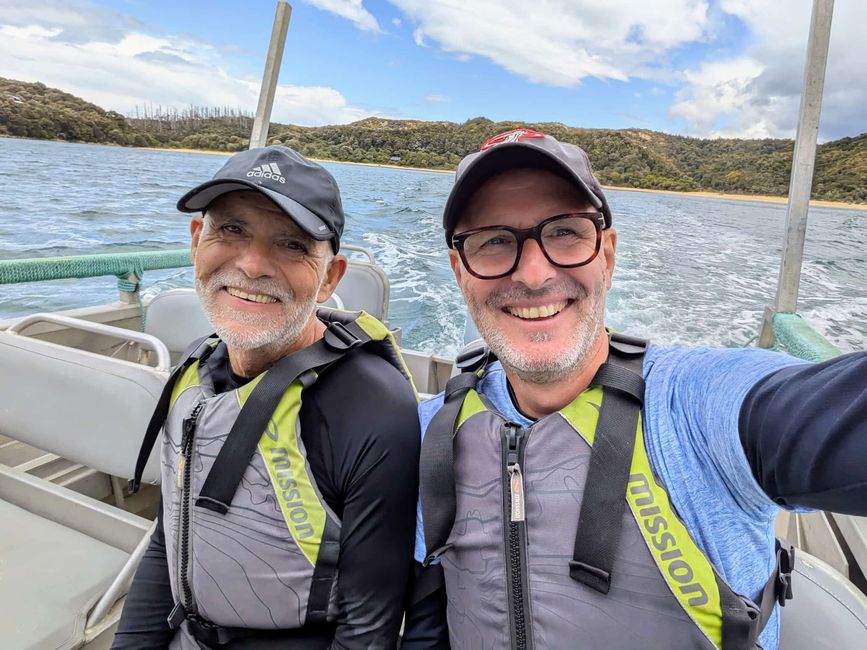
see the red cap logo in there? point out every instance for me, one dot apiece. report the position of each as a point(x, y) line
point(515, 135)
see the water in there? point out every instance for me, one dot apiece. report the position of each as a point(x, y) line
point(689, 270)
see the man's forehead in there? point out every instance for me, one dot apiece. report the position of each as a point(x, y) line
point(253, 207)
point(524, 189)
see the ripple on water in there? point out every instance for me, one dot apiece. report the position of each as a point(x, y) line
point(689, 270)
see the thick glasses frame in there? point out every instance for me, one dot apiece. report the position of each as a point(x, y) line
point(523, 234)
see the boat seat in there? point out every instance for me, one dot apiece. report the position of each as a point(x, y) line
point(87, 407)
point(826, 612)
point(176, 318)
point(61, 569)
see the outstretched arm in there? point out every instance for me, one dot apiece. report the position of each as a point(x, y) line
point(804, 432)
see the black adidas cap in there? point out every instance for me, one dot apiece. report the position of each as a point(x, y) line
point(305, 191)
point(522, 148)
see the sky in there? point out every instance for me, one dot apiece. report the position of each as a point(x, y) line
point(705, 68)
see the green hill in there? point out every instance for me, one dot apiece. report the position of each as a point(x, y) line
point(33, 110)
point(628, 158)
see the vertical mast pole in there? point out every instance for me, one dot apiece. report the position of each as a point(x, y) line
point(259, 136)
point(803, 162)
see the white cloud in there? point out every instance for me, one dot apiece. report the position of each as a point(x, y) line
point(121, 70)
point(436, 98)
point(559, 42)
point(757, 94)
point(352, 10)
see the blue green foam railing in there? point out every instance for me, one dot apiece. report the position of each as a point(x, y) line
point(122, 265)
point(796, 337)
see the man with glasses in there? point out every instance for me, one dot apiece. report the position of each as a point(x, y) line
point(581, 488)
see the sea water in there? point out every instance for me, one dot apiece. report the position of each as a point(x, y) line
point(689, 269)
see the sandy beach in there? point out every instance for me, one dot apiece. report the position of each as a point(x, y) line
point(708, 195)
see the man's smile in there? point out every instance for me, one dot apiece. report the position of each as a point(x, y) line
point(537, 312)
point(250, 297)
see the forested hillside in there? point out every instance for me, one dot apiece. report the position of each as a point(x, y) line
point(629, 158)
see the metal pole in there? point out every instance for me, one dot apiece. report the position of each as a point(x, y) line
point(803, 162)
point(259, 136)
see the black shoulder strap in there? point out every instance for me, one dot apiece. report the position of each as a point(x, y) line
point(601, 517)
point(436, 466)
point(198, 350)
point(234, 456)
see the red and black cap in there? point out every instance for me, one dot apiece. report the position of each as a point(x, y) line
point(305, 191)
point(522, 148)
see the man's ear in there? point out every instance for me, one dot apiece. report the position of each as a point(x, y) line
point(196, 225)
point(457, 265)
point(333, 274)
point(609, 250)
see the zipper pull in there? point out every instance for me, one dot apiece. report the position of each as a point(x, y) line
point(179, 475)
point(516, 485)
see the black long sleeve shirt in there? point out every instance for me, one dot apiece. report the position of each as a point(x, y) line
point(804, 433)
point(359, 426)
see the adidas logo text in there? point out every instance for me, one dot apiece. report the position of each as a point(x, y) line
point(268, 170)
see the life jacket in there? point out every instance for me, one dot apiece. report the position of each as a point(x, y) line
point(252, 546)
point(501, 505)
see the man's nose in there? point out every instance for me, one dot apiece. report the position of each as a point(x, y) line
point(255, 259)
point(534, 269)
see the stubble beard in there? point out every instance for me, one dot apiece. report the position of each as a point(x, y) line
point(245, 330)
point(551, 368)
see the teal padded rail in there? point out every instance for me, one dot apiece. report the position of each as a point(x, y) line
point(797, 338)
point(121, 265)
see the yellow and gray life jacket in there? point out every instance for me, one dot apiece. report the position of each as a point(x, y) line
point(501, 505)
point(252, 546)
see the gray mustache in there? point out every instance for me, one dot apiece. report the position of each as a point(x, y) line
point(571, 291)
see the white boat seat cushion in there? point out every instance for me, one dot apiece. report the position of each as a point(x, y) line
point(87, 407)
point(827, 611)
point(61, 569)
point(176, 318)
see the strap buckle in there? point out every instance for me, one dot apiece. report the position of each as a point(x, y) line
point(473, 356)
point(629, 346)
point(785, 566)
point(590, 576)
point(338, 337)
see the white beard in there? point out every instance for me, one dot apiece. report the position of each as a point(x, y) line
point(533, 368)
point(244, 330)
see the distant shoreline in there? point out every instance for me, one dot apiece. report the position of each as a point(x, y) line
point(700, 194)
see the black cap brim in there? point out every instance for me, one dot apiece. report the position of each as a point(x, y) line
point(199, 198)
point(499, 159)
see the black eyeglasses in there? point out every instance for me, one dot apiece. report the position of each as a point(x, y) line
point(566, 240)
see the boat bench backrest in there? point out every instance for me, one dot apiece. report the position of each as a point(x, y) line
point(176, 317)
point(86, 407)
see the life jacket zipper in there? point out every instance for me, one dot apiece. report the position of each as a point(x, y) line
point(514, 513)
point(184, 537)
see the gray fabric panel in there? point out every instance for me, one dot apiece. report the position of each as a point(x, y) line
point(639, 612)
point(62, 570)
point(246, 570)
point(475, 571)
